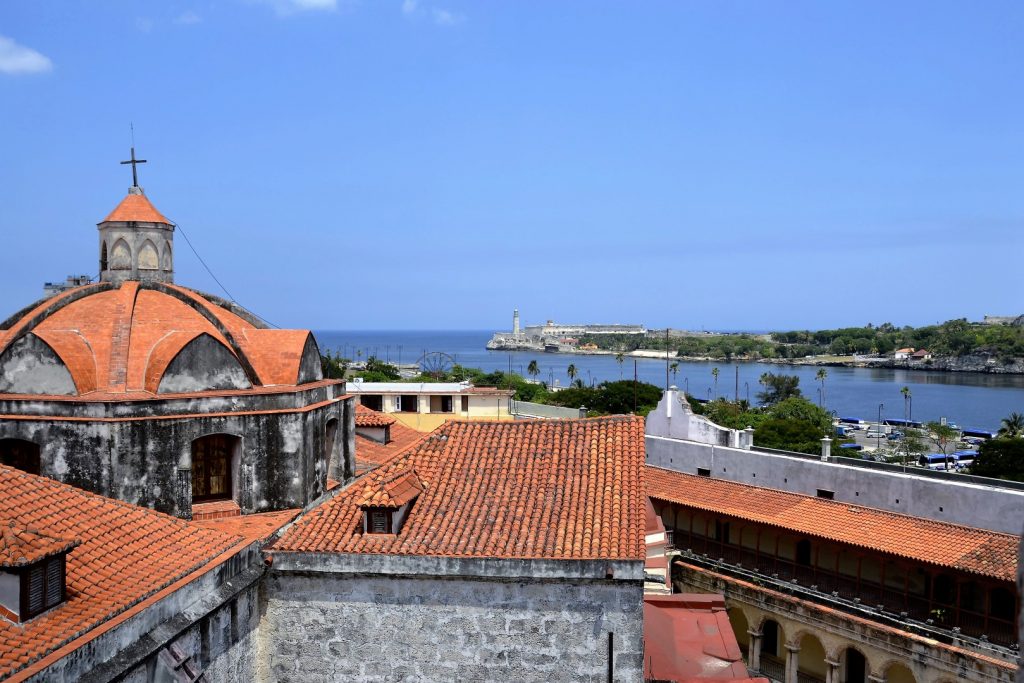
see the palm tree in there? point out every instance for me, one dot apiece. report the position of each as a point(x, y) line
point(674, 367)
point(1013, 425)
point(822, 374)
point(533, 369)
point(714, 372)
point(620, 359)
point(572, 372)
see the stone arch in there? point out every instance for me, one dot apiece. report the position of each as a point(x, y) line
point(167, 259)
point(216, 465)
point(121, 256)
point(148, 258)
point(896, 671)
point(31, 366)
point(740, 627)
point(854, 665)
point(203, 364)
point(767, 625)
point(811, 660)
point(20, 454)
point(103, 255)
point(330, 445)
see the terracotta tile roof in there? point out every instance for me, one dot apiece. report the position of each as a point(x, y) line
point(136, 207)
point(127, 553)
point(257, 527)
point(122, 339)
point(393, 489)
point(371, 454)
point(967, 549)
point(20, 545)
point(367, 417)
point(556, 489)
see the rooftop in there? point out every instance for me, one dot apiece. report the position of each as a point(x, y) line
point(136, 207)
point(553, 489)
point(127, 554)
point(976, 551)
point(123, 339)
point(367, 417)
point(371, 454)
point(20, 546)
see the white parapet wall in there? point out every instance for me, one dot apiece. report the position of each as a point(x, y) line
point(679, 440)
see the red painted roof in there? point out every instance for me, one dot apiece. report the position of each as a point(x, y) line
point(127, 553)
point(558, 489)
point(120, 340)
point(687, 637)
point(367, 417)
point(976, 551)
point(136, 207)
point(256, 527)
point(20, 545)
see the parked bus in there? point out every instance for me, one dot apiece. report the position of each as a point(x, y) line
point(938, 461)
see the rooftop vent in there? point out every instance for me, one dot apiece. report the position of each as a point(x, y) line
point(33, 571)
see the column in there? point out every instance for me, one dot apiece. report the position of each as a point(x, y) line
point(792, 662)
point(754, 653)
point(831, 671)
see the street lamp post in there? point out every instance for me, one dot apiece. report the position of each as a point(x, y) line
point(879, 437)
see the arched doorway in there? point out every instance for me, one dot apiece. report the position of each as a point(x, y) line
point(215, 467)
point(773, 657)
point(811, 660)
point(20, 454)
point(853, 668)
point(330, 438)
point(740, 627)
point(899, 673)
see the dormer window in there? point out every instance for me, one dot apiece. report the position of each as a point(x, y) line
point(33, 571)
point(387, 499)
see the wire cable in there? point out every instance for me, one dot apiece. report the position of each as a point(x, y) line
point(216, 279)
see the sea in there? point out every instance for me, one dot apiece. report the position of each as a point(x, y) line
point(968, 399)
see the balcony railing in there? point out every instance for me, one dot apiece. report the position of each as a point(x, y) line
point(909, 613)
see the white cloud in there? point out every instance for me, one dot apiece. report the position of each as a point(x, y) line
point(443, 17)
point(18, 59)
point(409, 7)
point(285, 7)
point(187, 18)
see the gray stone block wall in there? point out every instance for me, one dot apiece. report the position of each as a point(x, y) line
point(324, 627)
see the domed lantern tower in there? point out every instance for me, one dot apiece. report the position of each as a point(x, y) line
point(136, 240)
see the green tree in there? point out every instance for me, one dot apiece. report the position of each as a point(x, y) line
point(944, 438)
point(620, 359)
point(378, 371)
point(1013, 426)
point(912, 444)
point(778, 388)
point(572, 372)
point(1001, 458)
point(674, 367)
point(533, 369)
point(820, 376)
point(788, 434)
point(714, 373)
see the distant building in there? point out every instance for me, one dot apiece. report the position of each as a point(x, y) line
point(425, 406)
point(72, 281)
point(903, 354)
point(921, 354)
point(1017, 320)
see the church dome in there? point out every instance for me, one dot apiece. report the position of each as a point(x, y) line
point(143, 339)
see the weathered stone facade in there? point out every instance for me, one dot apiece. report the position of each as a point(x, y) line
point(140, 451)
point(376, 618)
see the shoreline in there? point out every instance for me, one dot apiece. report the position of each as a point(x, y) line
point(976, 364)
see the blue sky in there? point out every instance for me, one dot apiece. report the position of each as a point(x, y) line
point(431, 165)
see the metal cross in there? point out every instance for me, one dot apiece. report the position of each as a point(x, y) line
point(133, 161)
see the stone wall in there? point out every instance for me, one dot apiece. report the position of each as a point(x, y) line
point(140, 452)
point(321, 627)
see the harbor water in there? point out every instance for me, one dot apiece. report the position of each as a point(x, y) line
point(971, 400)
